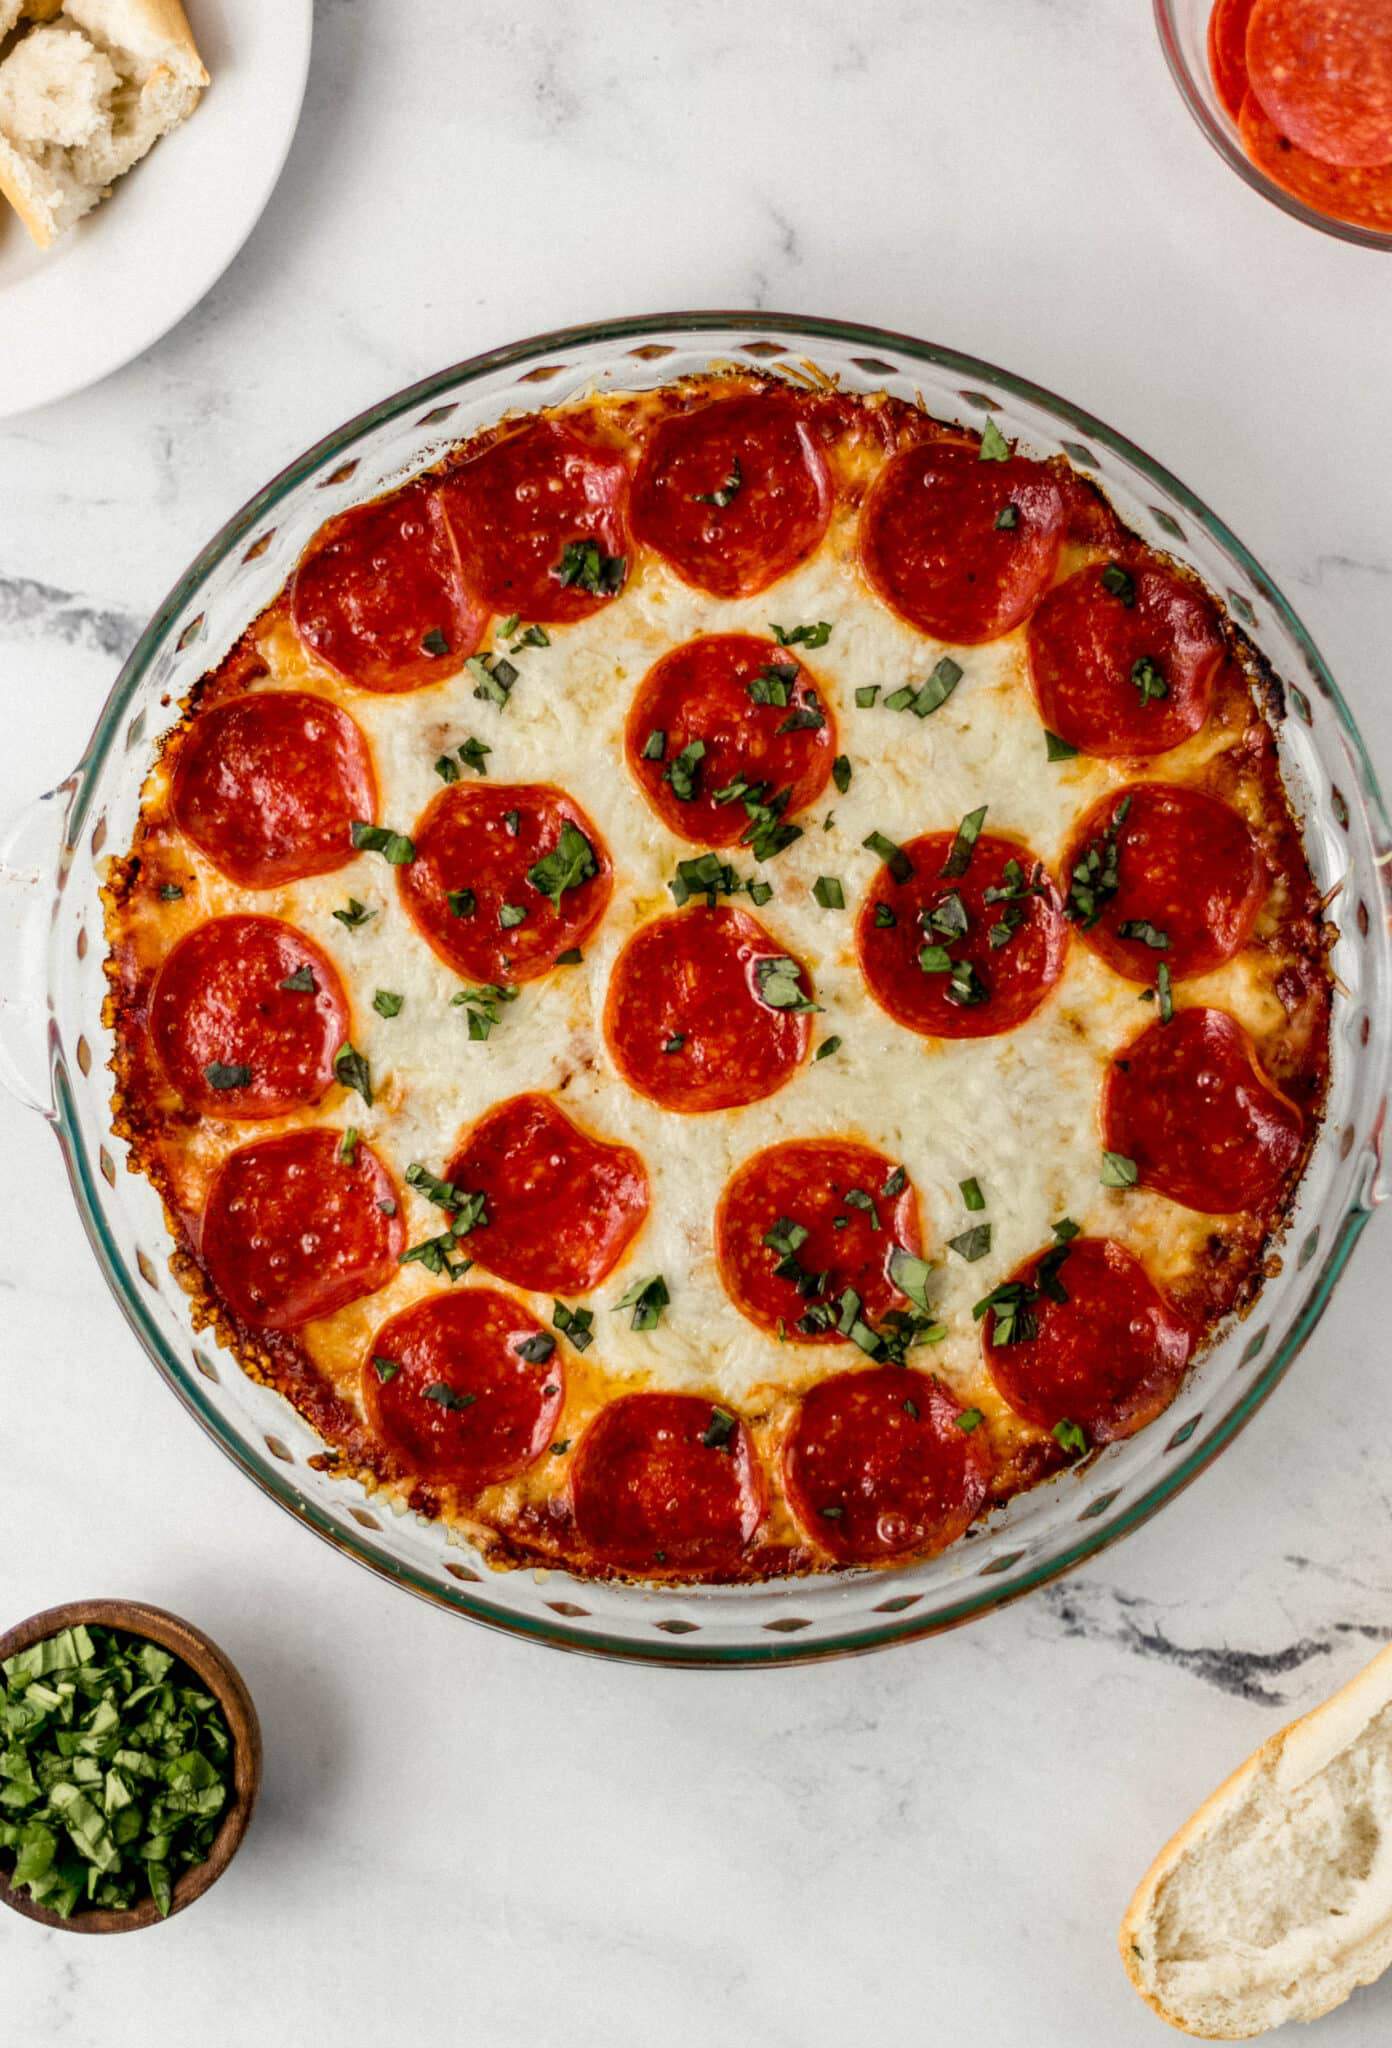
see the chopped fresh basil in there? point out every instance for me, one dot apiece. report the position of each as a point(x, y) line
point(647, 1299)
point(446, 1397)
point(972, 1197)
point(884, 917)
point(1165, 993)
point(1070, 1436)
point(894, 857)
point(395, 848)
point(348, 1145)
point(827, 1047)
point(436, 1254)
point(1119, 583)
point(560, 1447)
point(480, 1006)
point(1149, 678)
point(910, 1407)
point(352, 1070)
point(386, 1368)
point(896, 1180)
point(719, 1430)
point(1007, 519)
point(829, 893)
point(169, 892)
point(1118, 1171)
point(511, 914)
point(576, 1325)
point(969, 1419)
point(571, 957)
point(473, 753)
point(911, 1275)
point(760, 892)
point(866, 694)
point(675, 1042)
point(780, 985)
point(900, 699)
point(774, 684)
point(570, 862)
point(301, 982)
point(857, 1198)
point(585, 566)
point(537, 1348)
point(115, 1771)
point(727, 492)
point(509, 624)
point(831, 1514)
point(684, 769)
point(938, 688)
point(786, 1237)
point(494, 676)
point(972, 1244)
point(387, 1003)
point(1056, 749)
point(802, 636)
point(994, 446)
point(512, 823)
point(947, 917)
point(841, 773)
point(964, 843)
point(530, 636)
point(655, 745)
point(356, 914)
point(447, 768)
point(1065, 1230)
point(462, 902)
point(219, 1075)
point(434, 642)
point(1144, 933)
point(1096, 876)
point(805, 717)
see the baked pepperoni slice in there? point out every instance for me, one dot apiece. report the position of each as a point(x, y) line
point(940, 545)
point(563, 1205)
point(1227, 51)
point(964, 955)
point(505, 876)
point(702, 1010)
point(1189, 1104)
point(1360, 196)
point(293, 1231)
point(666, 1482)
point(878, 1466)
point(268, 784)
point(1322, 69)
point(246, 1016)
point(1081, 1334)
point(799, 1223)
point(1123, 658)
point(541, 519)
point(465, 1387)
point(379, 598)
point(1190, 880)
point(733, 494)
point(757, 717)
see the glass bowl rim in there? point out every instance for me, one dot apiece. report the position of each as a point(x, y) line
point(1181, 71)
point(1003, 1586)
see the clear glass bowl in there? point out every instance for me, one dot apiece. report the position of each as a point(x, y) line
point(54, 1046)
point(1183, 27)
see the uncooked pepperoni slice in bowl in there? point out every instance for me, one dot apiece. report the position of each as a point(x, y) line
point(302, 860)
point(1296, 97)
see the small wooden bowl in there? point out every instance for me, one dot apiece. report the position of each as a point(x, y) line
point(224, 1681)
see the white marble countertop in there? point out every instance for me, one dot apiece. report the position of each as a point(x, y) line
point(463, 1837)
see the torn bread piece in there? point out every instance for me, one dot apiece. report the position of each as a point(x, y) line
point(1274, 1902)
point(83, 96)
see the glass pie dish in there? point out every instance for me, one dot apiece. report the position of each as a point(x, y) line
point(54, 1046)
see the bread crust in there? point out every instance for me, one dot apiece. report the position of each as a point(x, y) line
point(1324, 1732)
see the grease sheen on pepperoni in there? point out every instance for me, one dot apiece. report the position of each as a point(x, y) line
point(268, 784)
point(483, 839)
point(1016, 976)
point(563, 1205)
point(685, 1021)
point(220, 1010)
point(759, 452)
point(1187, 867)
point(877, 1467)
point(1322, 70)
point(1227, 51)
point(932, 547)
point(701, 692)
point(1110, 1358)
point(518, 506)
point(1086, 646)
point(1360, 196)
point(1189, 1103)
point(806, 1182)
point(379, 587)
point(291, 1231)
point(649, 1494)
point(445, 1385)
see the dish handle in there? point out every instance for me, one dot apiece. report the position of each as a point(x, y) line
point(33, 855)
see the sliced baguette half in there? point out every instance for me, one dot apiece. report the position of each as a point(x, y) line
point(1275, 1901)
point(83, 96)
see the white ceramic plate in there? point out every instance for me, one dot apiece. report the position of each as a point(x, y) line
point(147, 255)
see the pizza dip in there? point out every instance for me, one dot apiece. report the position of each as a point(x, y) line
point(723, 981)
